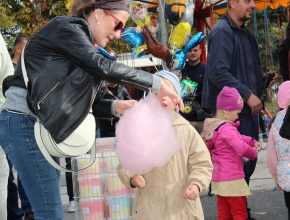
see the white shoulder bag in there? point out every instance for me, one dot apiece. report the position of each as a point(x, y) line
point(79, 142)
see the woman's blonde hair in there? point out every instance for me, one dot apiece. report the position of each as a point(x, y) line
point(79, 7)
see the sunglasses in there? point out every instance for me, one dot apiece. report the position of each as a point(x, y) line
point(119, 25)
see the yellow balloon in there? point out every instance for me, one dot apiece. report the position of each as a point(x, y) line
point(180, 35)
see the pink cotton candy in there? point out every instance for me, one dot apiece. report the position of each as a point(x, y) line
point(146, 137)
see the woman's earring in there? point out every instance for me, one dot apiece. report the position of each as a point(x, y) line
point(98, 22)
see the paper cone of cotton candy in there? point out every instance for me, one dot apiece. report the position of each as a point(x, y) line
point(145, 136)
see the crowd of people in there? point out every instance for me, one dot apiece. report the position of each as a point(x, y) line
point(219, 135)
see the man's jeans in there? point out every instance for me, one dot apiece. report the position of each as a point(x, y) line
point(13, 210)
point(4, 171)
point(40, 180)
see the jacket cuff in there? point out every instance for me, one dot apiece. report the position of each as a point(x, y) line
point(246, 94)
point(253, 142)
point(113, 110)
point(156, 83)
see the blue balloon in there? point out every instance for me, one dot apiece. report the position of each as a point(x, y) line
point(178, 60)
point(132, 37)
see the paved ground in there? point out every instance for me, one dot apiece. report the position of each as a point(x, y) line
point(265, 203)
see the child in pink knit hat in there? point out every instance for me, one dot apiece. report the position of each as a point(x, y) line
point(228, 147)
point(278, 155)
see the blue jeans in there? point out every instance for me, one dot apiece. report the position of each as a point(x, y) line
point(40, 180)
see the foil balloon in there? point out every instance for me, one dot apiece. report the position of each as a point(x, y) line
point(155, 47)
point(132, 37)
point(138, 152)
point(174, 10)
point(143, 18)
point(135, 39)
point(108, 54)
point(178, 60)
point(189, 11)
point(179, 35)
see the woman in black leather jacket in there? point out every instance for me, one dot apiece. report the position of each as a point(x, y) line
point(65, 70)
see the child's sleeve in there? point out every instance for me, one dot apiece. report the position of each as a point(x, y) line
point(249, 140)
point(236, 141)
point(124, 176)
point(272, 155)
point(199, 162)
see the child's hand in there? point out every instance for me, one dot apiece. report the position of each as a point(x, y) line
point(138, 181)
point(191, 192)
point(167, 103)
point(258, 146)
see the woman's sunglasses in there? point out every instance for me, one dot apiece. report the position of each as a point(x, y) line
point(119, 25)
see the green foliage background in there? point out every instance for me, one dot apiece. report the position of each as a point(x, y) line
point(27, 16)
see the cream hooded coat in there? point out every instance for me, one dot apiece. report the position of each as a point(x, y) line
point(161, 198)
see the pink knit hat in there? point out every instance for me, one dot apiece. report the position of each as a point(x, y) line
point(229, 99)
point(283, 94)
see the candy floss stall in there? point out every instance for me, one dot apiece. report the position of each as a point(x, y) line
point(98, 190)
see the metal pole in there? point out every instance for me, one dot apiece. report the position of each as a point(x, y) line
point(163, 27)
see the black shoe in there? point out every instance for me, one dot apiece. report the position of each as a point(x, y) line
point(250, 218)
point(29, 216)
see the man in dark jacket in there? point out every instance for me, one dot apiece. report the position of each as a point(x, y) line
point(233, 61)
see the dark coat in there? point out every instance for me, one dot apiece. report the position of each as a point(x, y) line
point(233, 60)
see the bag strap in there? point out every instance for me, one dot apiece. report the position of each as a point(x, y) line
point(59, 167)
point(42, 148)
point(24, 73)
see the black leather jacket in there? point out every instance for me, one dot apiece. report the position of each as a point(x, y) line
point(65, 72)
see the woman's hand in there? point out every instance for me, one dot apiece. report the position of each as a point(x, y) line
point(166, 90)
point(138, 181)
point(191, 192)
point(120, 106)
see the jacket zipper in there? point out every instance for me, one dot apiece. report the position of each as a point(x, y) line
point(47, 94)
point(53, 88)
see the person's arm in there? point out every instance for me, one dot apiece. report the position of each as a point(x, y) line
point(236, 141)
point(249, 140)
point(6, 66)
point(219, 63)
point(283, 59)
point(80, 50)
point(272, 155)
point(125, 176)
point(199, 162)
point(73, 42)
point(184, 74)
